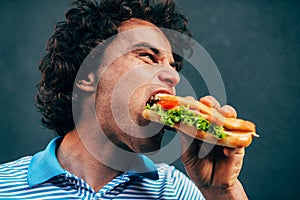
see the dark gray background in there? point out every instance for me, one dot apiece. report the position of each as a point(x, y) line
point(255, 44)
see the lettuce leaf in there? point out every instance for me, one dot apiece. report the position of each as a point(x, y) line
point(186, 116)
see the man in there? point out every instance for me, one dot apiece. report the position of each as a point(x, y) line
point(85, 161)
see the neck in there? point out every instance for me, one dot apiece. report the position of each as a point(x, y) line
point(75, 158)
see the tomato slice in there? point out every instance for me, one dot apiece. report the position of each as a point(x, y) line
point(168, 104)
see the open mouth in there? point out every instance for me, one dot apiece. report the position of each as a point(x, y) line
point(153, 100)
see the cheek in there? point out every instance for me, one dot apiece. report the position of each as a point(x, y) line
point(136, 106)
point(122, 90)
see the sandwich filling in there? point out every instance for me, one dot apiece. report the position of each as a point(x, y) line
point(171, 112)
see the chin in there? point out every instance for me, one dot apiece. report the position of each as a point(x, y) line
point(149, 148)
point(149, 137)
point(149, 145)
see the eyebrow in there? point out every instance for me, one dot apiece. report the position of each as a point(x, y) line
point(147, 46)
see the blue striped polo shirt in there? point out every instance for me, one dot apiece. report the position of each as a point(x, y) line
point(41, 177)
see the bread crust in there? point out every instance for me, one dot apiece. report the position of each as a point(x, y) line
point(233, 139)
point(211, 113)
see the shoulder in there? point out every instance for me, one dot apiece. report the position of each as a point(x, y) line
point(14, 170)
point(16, 164)
point(173, 179)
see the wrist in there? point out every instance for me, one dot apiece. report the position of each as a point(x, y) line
point(230, 193)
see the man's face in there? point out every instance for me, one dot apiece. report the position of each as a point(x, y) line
point(136, 65)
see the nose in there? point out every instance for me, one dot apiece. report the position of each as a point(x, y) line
point(169, 77)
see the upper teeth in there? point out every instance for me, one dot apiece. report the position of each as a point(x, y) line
point(152, 97)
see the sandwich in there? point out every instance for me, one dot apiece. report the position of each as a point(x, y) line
point(197, 120)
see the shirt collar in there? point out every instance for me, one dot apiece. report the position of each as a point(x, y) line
point(44, 165)
point(143, 166)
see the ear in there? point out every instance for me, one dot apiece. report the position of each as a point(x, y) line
point(88, 85)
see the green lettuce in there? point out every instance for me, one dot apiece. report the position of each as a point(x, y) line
point(186, 116)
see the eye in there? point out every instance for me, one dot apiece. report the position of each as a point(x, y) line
point(177, 65)
point(148, 56)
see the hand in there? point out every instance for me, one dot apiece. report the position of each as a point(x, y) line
point(214, 169)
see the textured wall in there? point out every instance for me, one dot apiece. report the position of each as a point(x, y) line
point(254, 43)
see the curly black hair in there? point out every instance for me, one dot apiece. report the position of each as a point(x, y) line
point(87, 24)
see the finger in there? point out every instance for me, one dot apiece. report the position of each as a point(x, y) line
point(187, 143)
point(189, 149)
point(228, 111)
point(197, 148)
point(210, 101)
point(190, 98)
point(229, 152)
point(195, 166)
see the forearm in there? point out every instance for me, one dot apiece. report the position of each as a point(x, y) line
point(232, 193)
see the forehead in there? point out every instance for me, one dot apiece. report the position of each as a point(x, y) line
point(133, 34)
point(135, 31)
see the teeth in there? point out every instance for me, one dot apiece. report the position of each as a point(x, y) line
point(159, 95)
point(156, 97)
